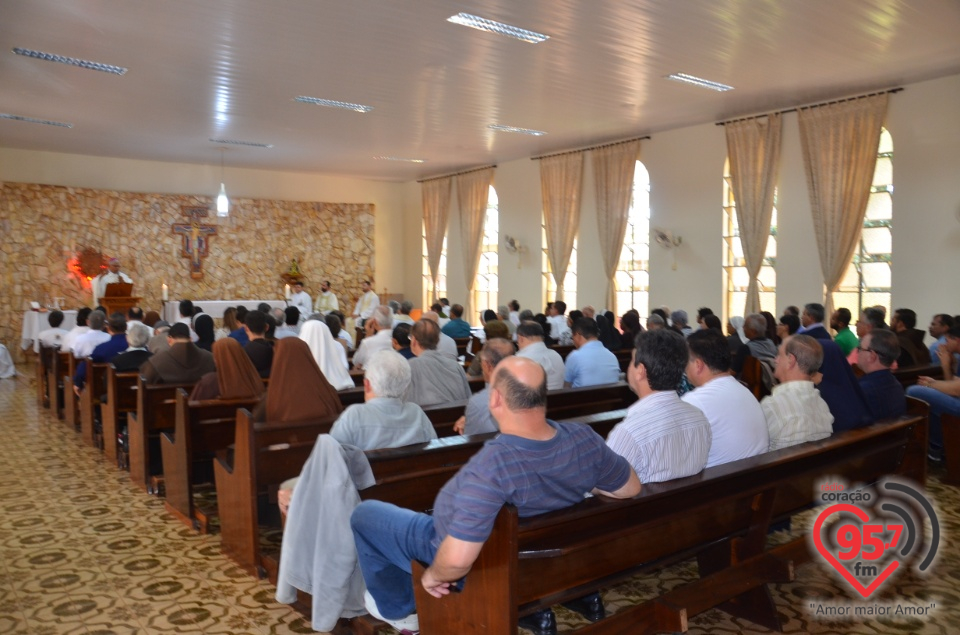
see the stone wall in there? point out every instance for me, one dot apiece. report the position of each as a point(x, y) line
point(43, 227)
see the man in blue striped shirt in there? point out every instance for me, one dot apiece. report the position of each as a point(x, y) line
point(535, 464)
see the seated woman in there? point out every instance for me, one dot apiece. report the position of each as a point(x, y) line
point(203, 326)
point(330, 356)
point(235, 377)
point(230, 323)
point(298, 390)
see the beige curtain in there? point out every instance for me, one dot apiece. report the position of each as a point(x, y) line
point(436, 213)
point(613, 169)
point(561, 180)
point(473, 190)
point(753, 146)
point(839, 144)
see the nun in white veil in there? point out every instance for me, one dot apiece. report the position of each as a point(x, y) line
point(329, 355)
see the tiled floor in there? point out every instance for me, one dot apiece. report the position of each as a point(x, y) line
point(84, 551)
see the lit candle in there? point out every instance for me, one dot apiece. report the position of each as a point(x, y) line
point(166, 295)
point(286, 291)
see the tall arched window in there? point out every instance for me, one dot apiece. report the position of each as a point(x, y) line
point(868, 279)
point(488, 282)
point(633, 272)
point(569, 280)
point(428, 297)
point(735, 277)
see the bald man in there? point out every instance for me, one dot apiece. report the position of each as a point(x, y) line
point(111, 275)
point(536, 464)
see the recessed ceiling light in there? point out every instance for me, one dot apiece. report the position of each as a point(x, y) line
point(252, 144)
point(499, 128)
point(483, 24)
point(698, 81)
point(45, 122)
point(382, 158)
point(72, 61)
point(333, 104)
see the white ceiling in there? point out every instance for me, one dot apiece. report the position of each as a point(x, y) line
point(231, 68)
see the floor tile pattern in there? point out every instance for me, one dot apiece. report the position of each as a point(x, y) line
point(83, 551)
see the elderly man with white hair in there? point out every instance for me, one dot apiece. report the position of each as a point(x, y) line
point(138, 335)
point(379, 336)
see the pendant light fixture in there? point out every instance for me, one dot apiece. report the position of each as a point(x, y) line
point(223, 203)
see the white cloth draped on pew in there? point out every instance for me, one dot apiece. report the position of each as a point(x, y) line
point(7, 369)
point(318, 554)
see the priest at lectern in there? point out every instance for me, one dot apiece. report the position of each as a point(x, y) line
point(113, 274)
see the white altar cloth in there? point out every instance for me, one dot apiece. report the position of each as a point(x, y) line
point(36, 321)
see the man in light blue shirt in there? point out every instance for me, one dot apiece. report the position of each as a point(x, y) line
point(939, 326)
point(591, 364)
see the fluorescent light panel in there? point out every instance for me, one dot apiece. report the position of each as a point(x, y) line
point(252, 144)
point(490, 26)
point(499, 128)
point(71, 61)
point(699, 81)
point(45, 122)
point(333, 103)
point(382, 158)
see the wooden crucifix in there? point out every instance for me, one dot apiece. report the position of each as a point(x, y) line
point(196, 237)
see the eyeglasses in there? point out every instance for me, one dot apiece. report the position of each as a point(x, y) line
point(866, 350)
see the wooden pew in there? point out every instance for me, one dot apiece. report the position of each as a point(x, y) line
point(201, 428)
point(96, 385)
point(71, 402)
point(908, 376)
point(121, 402)
point(264, 454)
point(44, 376)
point(722, 515)
point(563, 350)
point(156, 411)
point(59, 362)
point(950, 425)
point(462, 344)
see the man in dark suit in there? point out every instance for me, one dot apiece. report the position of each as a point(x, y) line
point(811, 321)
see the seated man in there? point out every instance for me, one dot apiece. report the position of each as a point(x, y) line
point(913, 352)
point(401, 340)
point(436, 378)
point(258, 349)
point(795, 412)
point(662, 437)
point(182, 363)
point(535, 464)
point(290, 327)
point(135, 316)
point(457, 327)
point(383, 420)
point(403, 315)
point(54, 335)
point(477, 418)
point(530, 343)
point(84, 344)
point(335, 324)
point(446, 346)
point(737, 424)
point(871, 318)
point(939, 326)
point(136, 353)
point(158, 342)
point(884, 395)
point(71, 337)
point(845, 338)
point(105, 351)
point(591, 364)
point(758, 344)
point(379, 336)
point(557, 321)
point(943, 395)
point(812, 321)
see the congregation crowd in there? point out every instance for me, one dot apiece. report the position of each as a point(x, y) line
point(694, 408)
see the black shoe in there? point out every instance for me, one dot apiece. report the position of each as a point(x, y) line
point(540, 623)
point(589, 606)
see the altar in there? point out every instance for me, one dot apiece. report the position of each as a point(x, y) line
point(36, 321)
point(215, 308)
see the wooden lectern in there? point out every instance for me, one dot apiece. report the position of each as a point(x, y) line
point(117, 299)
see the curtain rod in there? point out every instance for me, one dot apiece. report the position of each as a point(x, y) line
point(444, 176)
point(596, 147)
point(817, 105)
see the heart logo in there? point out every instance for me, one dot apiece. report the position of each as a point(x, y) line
point(893, 565)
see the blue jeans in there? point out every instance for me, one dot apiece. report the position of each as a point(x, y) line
point(939, 403)
point(388, 538)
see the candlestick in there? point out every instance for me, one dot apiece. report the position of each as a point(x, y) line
point(166, 295)
point(286, 291)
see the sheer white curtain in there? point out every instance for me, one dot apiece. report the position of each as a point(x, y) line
point(561, 180)
point(436, 213)
point(613, 169)
point(473, 190)
point(753, 146)
point(839, 144)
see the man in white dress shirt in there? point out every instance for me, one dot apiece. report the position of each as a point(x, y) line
point(84, 345)
point(736, 421)
point(366, 304)
point(795, 412)
point(557, 320)
point(530, 342)
point(111, 275)
point(662, 437)
point(302, 300)
point(327, 300)
point(53, 336)
point(379, 336)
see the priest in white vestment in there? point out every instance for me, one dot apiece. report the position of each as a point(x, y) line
point(301, 299)
point(367, 303)
point(111, 275)
point(327, 300)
